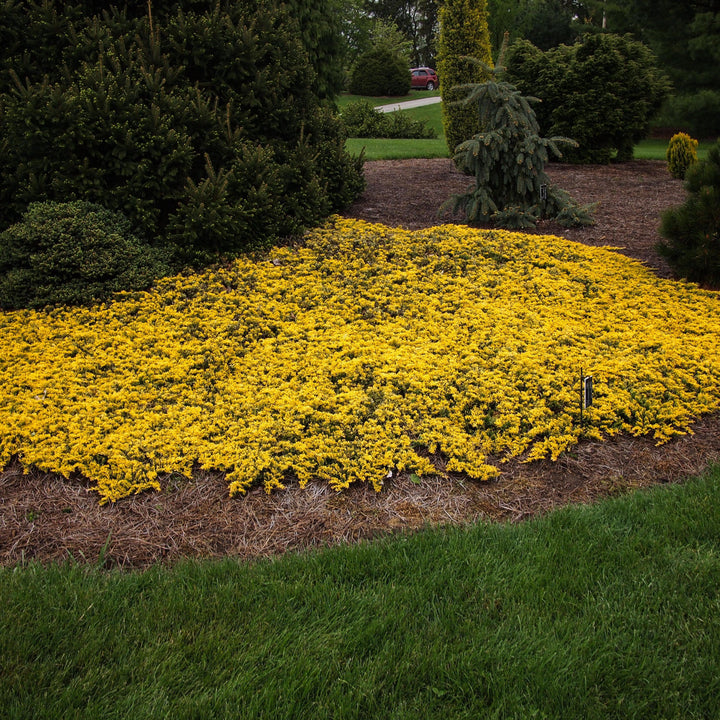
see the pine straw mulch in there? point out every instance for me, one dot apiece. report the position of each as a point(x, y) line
point(47, 518)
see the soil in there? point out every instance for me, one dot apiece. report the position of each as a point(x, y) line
point(47, 518)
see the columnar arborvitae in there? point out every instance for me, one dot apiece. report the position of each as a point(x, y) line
point(463, 35)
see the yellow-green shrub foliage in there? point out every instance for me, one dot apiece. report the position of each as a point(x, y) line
point(363, 351)
point(463, 34)
point(681, 154)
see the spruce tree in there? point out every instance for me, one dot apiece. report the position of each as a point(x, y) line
point(508, 160)
point(464, 35)
point(201, 127)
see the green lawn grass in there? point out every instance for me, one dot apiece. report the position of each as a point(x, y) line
point(387, 149)
point(603, 611)
point(382, 149)
point(655, 149)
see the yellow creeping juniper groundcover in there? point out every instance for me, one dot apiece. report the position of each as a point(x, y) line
point(363, 351)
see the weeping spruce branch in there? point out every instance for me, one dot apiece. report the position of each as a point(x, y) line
point(507, 159)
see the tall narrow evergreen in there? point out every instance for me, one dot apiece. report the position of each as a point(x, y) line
point(463, 35)
point(691, 231)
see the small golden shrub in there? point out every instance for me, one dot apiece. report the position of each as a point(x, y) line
point(681, 154)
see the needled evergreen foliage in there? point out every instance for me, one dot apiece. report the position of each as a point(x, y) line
point(604, 90)
point(320, 23)
point(73, 253)
point(691, 231)
point(464, 35)
point(198, 121)
point(681, 154)
point(380, 71)
point(508, 160)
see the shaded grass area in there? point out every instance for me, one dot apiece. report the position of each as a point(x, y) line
point(604, 611)
point(388, 149)
point(655, 149)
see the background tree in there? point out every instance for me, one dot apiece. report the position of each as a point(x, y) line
point(551, 23)
point(464, 39)
point(603, 91)
point(417, 20)
point(506, 16)
point(385, 33)
point(545, 23)
point(685, 37)
point(355, 28)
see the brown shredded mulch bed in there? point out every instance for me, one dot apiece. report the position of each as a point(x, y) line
point(47, 518)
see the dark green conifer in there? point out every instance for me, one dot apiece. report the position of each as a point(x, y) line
point(508, 159)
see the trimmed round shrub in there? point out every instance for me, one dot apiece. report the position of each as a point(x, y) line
point(379, 71)
point(73, 253)
point(681, 154)
point(691, 231)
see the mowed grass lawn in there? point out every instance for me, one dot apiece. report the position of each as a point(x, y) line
point(606, 611)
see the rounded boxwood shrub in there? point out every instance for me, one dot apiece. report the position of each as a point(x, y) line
point(72, 253)
point(379, 71)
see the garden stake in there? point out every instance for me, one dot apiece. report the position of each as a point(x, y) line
point(586, 393)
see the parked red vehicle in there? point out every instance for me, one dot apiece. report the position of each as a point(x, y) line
point(423, 78)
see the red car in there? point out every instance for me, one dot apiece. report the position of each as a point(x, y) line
point(423, 78)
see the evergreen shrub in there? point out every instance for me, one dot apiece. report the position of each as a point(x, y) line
point(691, 231)
point(508, 161)
point(72, 253)
point(380, 71)
point(199, 123)
point(603, 91)
point(464, 39)
point(681, 154)
point(362, 120)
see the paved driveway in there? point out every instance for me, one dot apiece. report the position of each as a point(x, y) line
point(407, 104)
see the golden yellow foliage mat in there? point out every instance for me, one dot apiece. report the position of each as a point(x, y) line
point(366, 350)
